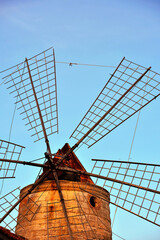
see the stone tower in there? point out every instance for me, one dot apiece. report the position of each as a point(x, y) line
point(41, 215)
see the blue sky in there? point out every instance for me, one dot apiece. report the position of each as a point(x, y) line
point(85, 31)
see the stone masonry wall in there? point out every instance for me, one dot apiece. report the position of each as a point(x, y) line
point(41, 216)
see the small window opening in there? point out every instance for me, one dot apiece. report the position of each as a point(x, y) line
point(93, 201)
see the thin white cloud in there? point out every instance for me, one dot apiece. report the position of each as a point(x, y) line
point(16, 16)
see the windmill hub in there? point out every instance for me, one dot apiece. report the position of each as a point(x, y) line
point(71, 162)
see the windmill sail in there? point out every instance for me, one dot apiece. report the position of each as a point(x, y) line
point(140, 202)
point(29, 211)
point(116, 102)
point(9, 151)
point(36, 76)
point(36, 91)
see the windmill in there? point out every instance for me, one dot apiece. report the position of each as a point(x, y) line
point(64, 202)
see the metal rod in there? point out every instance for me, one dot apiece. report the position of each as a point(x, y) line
point(55, 88)
point(12, 143)
point(49, 151)
point(96, 124)
point(54, 172)
point(26, 194)
point(117, 161)
point(24, 163)
point(6, 177)
point(39, 111)
point(108, 179)
point(62, 203)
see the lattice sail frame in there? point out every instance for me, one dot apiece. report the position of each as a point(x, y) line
point(140, 202)
point(41, 68)
point(126, 74)
point(9, 151)
point(7, 201)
